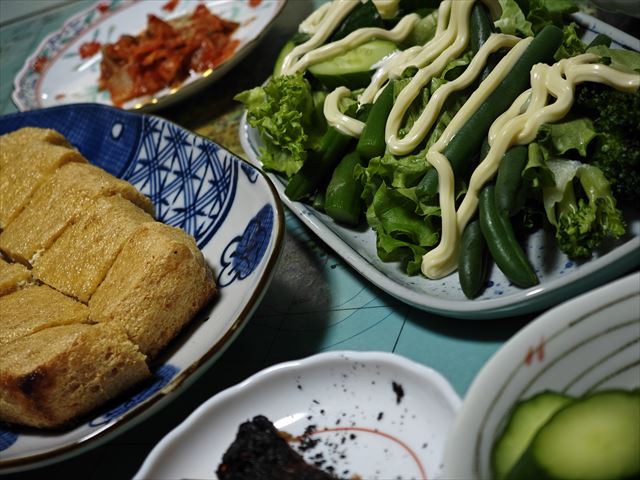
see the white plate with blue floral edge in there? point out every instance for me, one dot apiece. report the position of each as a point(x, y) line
point(373, 415)
point(560, 278)
point(230, 208)
point(56, 74)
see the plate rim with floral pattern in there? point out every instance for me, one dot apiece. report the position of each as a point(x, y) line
point(382, 398)
point(238, 224)
point(105, 21)
point(444, 296)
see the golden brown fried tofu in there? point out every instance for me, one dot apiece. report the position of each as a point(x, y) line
point(12, 277)
point(26, 164)
point(19, 138)
point(58, 203)
point(79, 259)
point(35, 308)
point(54, 375)
point(158, 282)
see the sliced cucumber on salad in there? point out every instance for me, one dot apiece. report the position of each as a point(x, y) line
point(352, 69)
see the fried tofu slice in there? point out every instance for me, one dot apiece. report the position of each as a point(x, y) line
point(29, 156)
point(58, 203)
point(158, 282)
point(77, 262)
point(13, 276)
point(35, 308)
point(57, 374)
point(23, 136)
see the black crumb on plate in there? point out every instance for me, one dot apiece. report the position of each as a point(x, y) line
point(399, 391)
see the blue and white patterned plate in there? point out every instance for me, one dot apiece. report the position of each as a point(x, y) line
point(560, 278)
point(230, 208)
point(55, 74)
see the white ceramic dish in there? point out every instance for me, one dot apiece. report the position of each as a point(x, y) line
point(587, 344)
point(560, 278)
point(364, 425)
point(229, 207)
point(55, 74)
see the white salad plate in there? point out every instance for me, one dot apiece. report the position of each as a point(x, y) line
point(55, 74)
point(230, 208)
point(372, 414)
point(560, 278)
point(587, 344)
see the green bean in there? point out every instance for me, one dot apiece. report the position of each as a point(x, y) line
point(371, 143)
point(343, 200)
point(502, 243)
point(509, 193)
point(465, 144)
point(473, 261)
point(318, 165)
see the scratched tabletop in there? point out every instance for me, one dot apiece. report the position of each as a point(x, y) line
point(315, 303)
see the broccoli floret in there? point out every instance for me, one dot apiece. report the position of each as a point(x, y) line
point(616, 150)
point(586, 216)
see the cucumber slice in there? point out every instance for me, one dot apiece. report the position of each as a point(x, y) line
point(595, 437)
point(353, 69)
point(527, 418)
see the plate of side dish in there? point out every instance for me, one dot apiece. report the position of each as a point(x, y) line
point(227, 206)
point(373, 415)
point(559, 277)
point(97, 55)
point(584, 347)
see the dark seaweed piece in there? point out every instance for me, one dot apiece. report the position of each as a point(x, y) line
point(260, 453)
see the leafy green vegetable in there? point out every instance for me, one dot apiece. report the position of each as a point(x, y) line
point(423, 31)
point(572, 45)
point(543, 12)
point(402, 222)
point(284, 112)
point(583, 212)
point(625, 60)
point(576, 196)
point(401, 234)
point(616, 149)
point(573, 134)
point(513, 20)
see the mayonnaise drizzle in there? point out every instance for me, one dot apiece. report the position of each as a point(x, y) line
point(435, 263)
point(515, 127)
point(387, 8)
point(395, 64)
point(341, 122)
point(311, 24)
point(322, 26)
point(354, 39)
point(418, 131)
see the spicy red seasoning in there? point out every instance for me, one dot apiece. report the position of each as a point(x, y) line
point(164, 54)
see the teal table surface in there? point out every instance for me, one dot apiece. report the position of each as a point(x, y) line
point(316, 302)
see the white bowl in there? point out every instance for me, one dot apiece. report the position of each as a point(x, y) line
point(587, 344)
point(374, 414)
